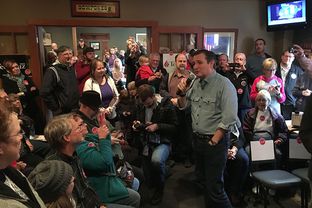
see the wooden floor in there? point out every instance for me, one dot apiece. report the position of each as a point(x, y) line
point(181, 192)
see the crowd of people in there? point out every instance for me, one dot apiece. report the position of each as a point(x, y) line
point(106, 138)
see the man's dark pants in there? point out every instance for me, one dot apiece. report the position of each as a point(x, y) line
point(210, 162)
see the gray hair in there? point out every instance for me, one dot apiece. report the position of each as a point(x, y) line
point(56, 129)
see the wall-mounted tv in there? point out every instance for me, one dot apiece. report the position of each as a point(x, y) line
point(286, 14)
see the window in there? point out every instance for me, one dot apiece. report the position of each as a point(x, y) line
point(178, 39)
point(221, 41)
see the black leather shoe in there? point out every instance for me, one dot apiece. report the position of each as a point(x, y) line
point(157, 197)
point(187, 163)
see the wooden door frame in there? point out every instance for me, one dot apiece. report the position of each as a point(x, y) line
point(13, 31)
point(33, 39)
point(184, 29)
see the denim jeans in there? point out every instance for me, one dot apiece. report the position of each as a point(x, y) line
point(237, 172)
point(135, 184)
point(154, 166)
point(209, 165)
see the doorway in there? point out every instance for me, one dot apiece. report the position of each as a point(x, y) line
point(68, 33)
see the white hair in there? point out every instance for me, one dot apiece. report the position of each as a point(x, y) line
point(265, 94)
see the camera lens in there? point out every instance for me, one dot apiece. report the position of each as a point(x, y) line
point(292, 50)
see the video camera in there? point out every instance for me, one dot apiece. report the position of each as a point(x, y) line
point(234, 65)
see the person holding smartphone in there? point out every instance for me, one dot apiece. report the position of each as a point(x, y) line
point(270, 82)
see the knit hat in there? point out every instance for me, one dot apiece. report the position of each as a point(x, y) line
point(92, 99)
point(50, 179)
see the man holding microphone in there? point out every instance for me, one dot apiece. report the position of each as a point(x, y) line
point(213, 103)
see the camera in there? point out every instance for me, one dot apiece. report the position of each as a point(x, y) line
point(234, 65)
point(140, 126)
point(292, 50)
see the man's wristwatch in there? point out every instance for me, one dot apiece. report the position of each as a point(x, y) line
point(182, 94)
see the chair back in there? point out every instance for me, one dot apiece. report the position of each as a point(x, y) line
point(257, 135)
point(262, 150)
point(296, 147)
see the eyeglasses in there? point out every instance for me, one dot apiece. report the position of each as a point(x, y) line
point(239, 59)
point(19, 134)
point(16, 138)
point(261, 100)
point(80, 126)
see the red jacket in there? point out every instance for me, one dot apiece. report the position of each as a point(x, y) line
point(82, 74)
point(144, 72)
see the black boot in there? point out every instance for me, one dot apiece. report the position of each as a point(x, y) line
point(157, 196)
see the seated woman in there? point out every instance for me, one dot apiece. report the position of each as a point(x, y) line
point(96, 156)
point(265, 118)
point(100, 82)
point(32, 151)
point(15, 190)
point(271, 83)
point(18, 82)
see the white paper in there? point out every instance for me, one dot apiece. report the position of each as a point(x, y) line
point(296, 118)
point(169, 61)
point(297, 150)
point(261, 152)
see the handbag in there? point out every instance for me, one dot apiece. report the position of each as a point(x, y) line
point(125, 172)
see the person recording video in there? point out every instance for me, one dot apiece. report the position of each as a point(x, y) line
point(241, 81)
point(132, 55)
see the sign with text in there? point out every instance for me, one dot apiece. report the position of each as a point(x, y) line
point(169, 62)
point(95, 8)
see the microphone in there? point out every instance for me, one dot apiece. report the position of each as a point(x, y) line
point(188, 82)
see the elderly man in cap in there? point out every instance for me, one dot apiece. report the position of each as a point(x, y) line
point(90, 103)
point(97, 148)
point(89, 111)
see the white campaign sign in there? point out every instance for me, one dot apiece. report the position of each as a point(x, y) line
point(264, 151)
point(297, 150)
point(169, 62)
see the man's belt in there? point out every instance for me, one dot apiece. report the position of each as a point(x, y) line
point(203, 136)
